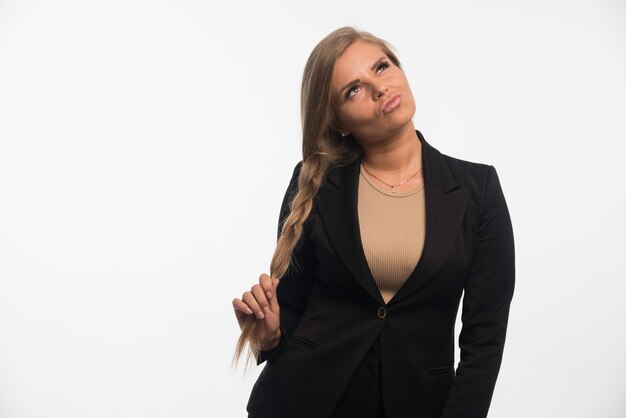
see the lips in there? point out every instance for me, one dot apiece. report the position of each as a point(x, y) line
point(391, 103)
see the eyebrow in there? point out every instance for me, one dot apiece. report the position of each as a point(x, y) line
point(358, 80)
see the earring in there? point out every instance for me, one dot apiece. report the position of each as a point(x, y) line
point(343, 134)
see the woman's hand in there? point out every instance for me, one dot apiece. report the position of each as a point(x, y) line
point(261, 301)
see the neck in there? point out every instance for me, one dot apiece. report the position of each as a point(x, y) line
point(397, 155)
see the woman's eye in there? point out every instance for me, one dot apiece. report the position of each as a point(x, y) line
point(353, 89)
point(383, 65)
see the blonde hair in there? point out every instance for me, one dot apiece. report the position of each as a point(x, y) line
point(322, 149)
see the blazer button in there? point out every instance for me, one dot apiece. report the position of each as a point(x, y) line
point(382, 312)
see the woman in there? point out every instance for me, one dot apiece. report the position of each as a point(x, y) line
point(379, 237)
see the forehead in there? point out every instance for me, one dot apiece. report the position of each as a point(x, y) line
point(355, 62)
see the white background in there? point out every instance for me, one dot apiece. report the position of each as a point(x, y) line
point(145, 147)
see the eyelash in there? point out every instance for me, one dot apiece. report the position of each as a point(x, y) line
point(382, 64)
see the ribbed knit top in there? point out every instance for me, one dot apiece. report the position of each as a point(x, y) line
point(392, 227)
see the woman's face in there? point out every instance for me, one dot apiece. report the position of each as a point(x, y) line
point(370, 95)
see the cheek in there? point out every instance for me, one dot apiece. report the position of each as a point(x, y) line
point(412, 101)
point(352, 114)
point(360, 110)
point(410, 93)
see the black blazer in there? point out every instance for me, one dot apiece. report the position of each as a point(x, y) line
point(331, 310)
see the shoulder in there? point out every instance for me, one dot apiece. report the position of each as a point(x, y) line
point(293, 182)
point(290, 193)
point(466, 169)
point(479, 179)
point(453, 171)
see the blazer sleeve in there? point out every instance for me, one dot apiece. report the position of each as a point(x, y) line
point(487, 297)
point(295, 286)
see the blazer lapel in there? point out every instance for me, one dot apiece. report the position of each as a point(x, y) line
point(445, 206)
point(337, 206)
point(445, 209)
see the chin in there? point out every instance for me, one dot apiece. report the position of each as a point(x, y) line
point(401, 120)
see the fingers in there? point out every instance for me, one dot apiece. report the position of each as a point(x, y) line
point(260, 300)
point(241, 308)
point(266, 283)
point(250, 298)
point(269, 288)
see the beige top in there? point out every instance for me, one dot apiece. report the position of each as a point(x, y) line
point(392, 227)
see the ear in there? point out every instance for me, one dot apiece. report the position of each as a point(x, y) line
point(340, 129)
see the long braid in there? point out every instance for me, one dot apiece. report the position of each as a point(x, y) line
point(309, 181)
point(310, 178)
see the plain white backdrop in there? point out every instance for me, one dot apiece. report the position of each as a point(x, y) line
point(145, 147)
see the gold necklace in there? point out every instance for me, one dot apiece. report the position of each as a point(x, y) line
point(390, 185)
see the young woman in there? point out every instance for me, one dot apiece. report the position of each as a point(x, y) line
point(380, 236)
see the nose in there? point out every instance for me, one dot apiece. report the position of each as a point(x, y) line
point(380, 91)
